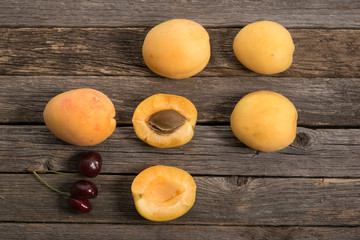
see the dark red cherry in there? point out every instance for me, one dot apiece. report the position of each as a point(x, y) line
point(84, 189)
point(90, 164)
point(80, 205)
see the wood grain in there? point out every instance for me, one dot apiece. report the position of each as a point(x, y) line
point(319, 101)
point(317, 13)
point(117, 51)
point(219, 200)
point(213, 151)
point(34, 231)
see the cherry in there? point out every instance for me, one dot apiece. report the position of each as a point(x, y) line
point(80, 205)
point(81, 191)
point(90, 164)
point(84, 189)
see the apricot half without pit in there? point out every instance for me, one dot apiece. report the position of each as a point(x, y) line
point(83, 117)
point(264, 47)
point(165, 120)
point(265, 121)
point(177, 48)
point(163, 193)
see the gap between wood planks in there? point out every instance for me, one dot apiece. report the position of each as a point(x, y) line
point(120, 125)
point(186, 224)
point(324, 179)
point(150, 26)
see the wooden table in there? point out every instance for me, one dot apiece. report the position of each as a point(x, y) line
point(310, 190)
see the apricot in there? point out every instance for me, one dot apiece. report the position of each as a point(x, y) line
point(264, 47)
point(165, 120)
point(83, 117)
point(163, 193)
point(265, 121)
point(177, 48)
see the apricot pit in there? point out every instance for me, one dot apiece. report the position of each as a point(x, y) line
point(163, 193)
point(165, 120)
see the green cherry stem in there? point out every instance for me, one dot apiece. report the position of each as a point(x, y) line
point(43, 181)
point(50, 171)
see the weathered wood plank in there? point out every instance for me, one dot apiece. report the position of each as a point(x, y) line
point(214, 150)
point(33, 231)
point(219, 200)
point(117, 51)
point(319, 13)
point(319, 101)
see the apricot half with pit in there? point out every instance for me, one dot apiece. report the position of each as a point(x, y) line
point(265, 121)
point(165, 120)
point(83, 117)
point(177, 48)
point(163, 193)
point(264, 47)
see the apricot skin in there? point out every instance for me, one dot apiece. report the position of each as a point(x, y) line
point(264, 47)
point(163, 193)
point(177, 48)
point(265, 121)
point(160, 102)
point(82, 117)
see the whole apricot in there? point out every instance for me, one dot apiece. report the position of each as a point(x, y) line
point(177, 48)
point(265, 121)
point(264, 47)
point(83, 117)
point(165, 120)
point(163, 193)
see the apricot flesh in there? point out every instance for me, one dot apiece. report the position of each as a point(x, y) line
point(82, 117)
point(264, 47)
point(265, 121)
point(177, 48)
point(163, 193)
point(165, 120)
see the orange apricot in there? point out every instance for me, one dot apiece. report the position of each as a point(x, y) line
point(264, 47)
point(177, 48)
point(163, 193)
point(265, 121)
point(83, 117)
point(165, 120)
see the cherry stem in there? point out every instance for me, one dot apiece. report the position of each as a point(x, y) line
point(43, 181)
point(50, 171)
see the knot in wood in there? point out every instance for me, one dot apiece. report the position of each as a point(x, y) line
point(235, 183)
point(302, 140)
point(48, 165)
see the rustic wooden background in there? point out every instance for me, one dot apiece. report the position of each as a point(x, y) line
point(310, 190)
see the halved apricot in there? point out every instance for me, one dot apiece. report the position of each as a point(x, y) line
point(178, 48)
point(83, 117)
point(265, 121)
point(165, 120)
point(163, 193)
